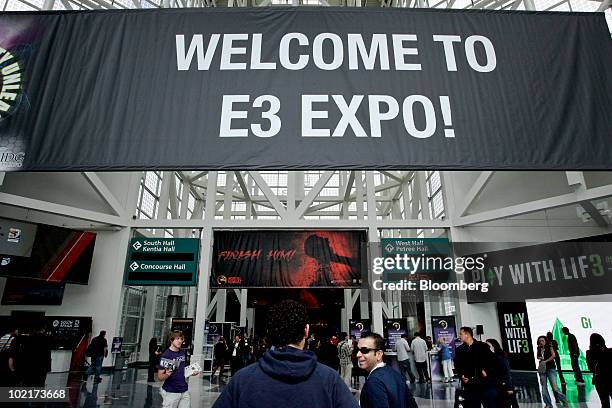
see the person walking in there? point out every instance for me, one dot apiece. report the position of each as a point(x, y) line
point(402, 348)
point(154, 353)
point(599, 360)
point(505, 388)
point(236, 354)
point(555, 346)
point(548, 373)
point(419, 347)
point(171, 370)
point(220, 351)
point(476, 367)
point(384, 386)
point(288, 375)
point(344, 355)
point(97, 350)
point(445, 358)
point(574, 350)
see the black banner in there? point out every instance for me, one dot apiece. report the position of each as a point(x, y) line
point(557, 269)
point(67, 332)
point(297, 259)
point(516, 335)
point(300, 88)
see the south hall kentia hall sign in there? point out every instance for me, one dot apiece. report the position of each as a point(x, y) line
point(162, 261)
point(299, 88)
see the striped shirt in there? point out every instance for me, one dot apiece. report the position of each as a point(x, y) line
point(344, 353)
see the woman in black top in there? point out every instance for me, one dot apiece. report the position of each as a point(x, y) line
point(599, 360)
point(505, 388)
point(154, 354)
point(547, 371)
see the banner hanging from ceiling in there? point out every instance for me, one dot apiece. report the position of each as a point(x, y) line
point(551, 270)
point(289, 259)
point(299, 88)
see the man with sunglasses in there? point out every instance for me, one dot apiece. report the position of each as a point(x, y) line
point(384, 387)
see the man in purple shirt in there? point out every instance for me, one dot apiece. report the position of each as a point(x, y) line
point(171, 371)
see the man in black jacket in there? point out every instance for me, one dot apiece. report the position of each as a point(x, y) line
point(574, 350)
point(236, 349)
point(477, 370)
point(384, 387)
point(97, 350)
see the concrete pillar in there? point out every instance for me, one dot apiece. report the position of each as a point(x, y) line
point(243, 307)
point(205, 265)
point(148, 323)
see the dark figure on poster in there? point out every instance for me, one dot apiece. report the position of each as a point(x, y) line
point(319, 248)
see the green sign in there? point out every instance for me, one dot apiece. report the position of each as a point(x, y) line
point(162, 261)
point(415, 257)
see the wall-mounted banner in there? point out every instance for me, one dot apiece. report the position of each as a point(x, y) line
point(393, 330)
point(445, 327)
point(304, 88)
point(557, 269)
point(297, 259)
point(117, 344)
point(516, 335)
point(359, 326)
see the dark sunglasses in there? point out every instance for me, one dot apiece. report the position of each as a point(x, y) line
point(365, 350)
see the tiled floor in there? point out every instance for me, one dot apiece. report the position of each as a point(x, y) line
point(129, 388)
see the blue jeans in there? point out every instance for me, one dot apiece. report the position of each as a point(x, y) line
point(96, 364)
point(550, 376)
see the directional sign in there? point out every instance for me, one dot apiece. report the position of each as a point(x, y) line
point(431, 251)
point(162, 261)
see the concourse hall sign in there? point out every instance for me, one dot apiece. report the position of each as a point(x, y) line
point(299, 88)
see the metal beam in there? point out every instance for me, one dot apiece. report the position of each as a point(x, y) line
point(290, 224)
point(267, 191)
point(312, 194)
point(59, 209)
point(245, 191)
point(537, 205)
point(481, 182)
point(104, 193)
